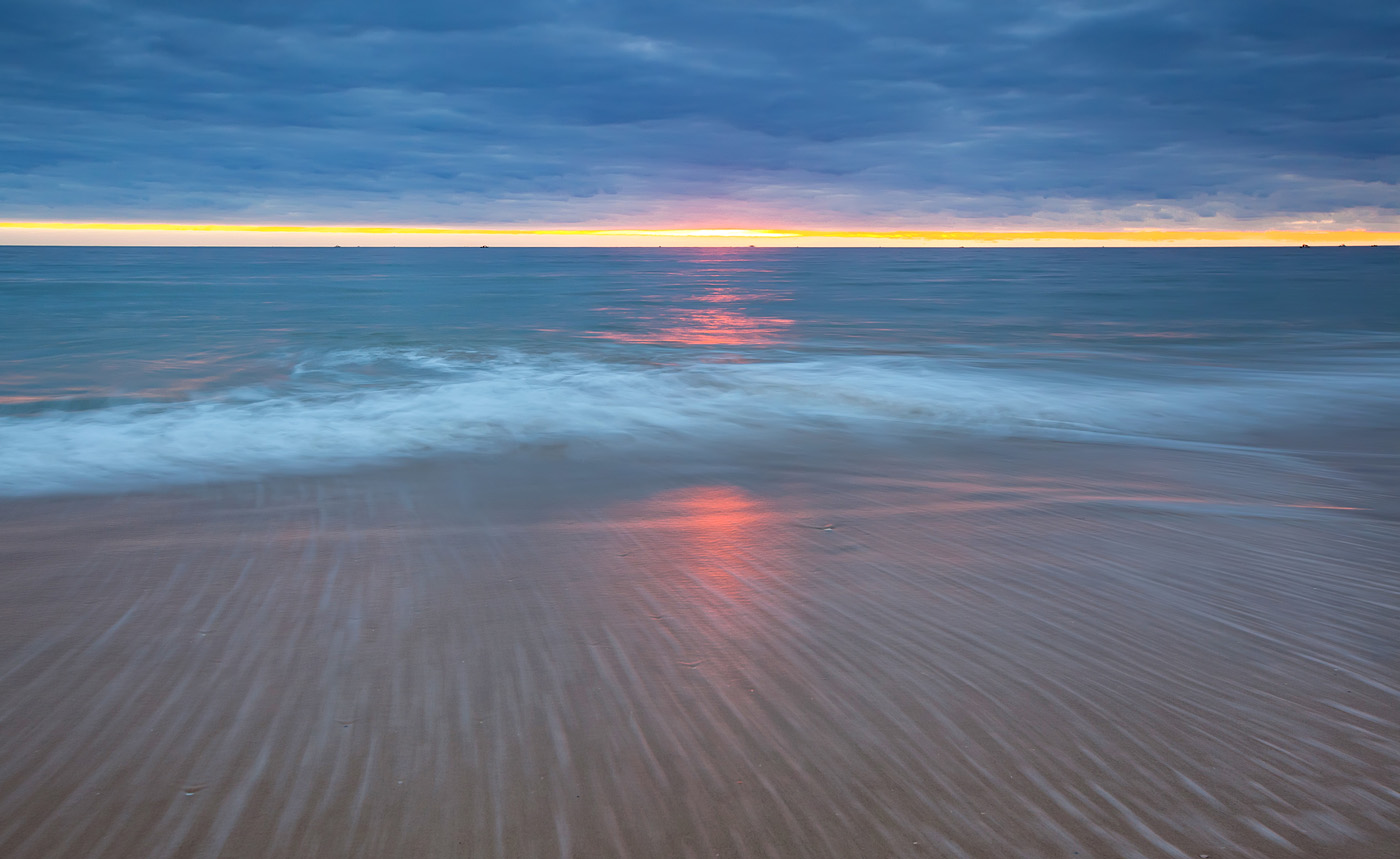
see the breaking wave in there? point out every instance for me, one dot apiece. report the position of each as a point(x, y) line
point(359, 407)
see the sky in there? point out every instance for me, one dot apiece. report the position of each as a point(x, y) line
point(826, 116)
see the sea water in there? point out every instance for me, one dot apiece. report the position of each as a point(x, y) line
point(136, 368)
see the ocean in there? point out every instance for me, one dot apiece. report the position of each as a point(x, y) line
point(139, 368)
point(518, 552)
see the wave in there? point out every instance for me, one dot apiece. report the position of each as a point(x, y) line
point(360, 407)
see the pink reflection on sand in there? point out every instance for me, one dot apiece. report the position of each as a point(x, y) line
point(717, 536)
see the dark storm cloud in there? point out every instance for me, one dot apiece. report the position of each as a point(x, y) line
point(556, 110)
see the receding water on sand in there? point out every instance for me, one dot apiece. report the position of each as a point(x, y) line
point(988, 649)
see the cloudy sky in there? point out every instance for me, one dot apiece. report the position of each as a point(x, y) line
point(880, 114)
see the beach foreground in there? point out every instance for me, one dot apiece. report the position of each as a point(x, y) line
point(978, 649)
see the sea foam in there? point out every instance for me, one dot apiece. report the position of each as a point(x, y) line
point(331, 413)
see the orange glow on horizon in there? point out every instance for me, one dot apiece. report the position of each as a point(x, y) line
point(70, 232)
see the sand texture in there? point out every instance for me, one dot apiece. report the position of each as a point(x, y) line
point(1036, 650)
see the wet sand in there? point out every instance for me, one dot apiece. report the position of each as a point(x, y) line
point(998, 650)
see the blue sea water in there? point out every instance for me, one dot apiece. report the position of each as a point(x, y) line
point(131, 368)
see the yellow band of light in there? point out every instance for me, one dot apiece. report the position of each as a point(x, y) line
point(1145, 236)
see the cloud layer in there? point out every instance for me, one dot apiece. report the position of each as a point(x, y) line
point(571, 111)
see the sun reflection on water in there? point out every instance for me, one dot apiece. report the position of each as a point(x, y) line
point(704, 305)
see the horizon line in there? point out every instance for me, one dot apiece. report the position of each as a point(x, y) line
point(64, 232)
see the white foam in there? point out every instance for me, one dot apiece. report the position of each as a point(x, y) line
point(488, 405)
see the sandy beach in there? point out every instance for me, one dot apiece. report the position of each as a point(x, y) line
point(986, 650)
